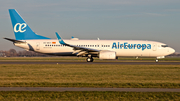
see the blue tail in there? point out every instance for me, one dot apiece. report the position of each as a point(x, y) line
point(21, 30)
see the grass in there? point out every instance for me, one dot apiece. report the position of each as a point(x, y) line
point(88, 96)
point(90, 75)
point(82, 75)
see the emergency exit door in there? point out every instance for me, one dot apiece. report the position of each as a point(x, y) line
point(37, 46)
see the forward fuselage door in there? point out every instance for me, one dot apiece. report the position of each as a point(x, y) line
point(154, 46)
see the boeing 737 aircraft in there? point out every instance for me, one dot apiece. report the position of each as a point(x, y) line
point(103, 49)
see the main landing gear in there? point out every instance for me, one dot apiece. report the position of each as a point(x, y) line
point(89, 59)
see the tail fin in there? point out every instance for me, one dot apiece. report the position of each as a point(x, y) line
point(21, 30)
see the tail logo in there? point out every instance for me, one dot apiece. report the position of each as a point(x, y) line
point(18, 27)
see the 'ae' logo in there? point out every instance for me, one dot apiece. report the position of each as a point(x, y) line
point(18, 27)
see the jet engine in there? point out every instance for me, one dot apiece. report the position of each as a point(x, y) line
point(107, 55)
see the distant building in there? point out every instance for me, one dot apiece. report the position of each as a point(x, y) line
point(2, 54)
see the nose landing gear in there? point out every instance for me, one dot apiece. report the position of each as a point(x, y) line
point(156, 60)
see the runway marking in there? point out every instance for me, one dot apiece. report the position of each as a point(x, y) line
point(62, 89)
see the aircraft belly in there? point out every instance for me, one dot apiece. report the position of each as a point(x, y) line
point(134, 52)
point(53, 50)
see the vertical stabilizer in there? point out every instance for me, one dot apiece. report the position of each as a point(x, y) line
point(21, 30)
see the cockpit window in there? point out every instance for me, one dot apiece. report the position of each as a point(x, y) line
point(164, 45)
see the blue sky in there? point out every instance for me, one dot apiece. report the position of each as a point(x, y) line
point(156, 20)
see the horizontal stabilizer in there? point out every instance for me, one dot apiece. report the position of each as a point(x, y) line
point(14, 41)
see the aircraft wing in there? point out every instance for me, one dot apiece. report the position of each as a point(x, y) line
point(77, 49)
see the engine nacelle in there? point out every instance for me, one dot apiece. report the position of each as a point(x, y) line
point(107, 55)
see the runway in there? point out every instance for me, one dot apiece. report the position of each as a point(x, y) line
point(63, 89)
point(112, 63)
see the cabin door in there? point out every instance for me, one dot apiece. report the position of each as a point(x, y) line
point(37, 45)
point(154, 47)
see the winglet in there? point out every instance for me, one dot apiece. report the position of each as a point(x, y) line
point(60, 40)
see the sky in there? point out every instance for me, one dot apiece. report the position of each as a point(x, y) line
point(154, 20)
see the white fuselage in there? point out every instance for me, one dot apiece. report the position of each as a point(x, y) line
point(138, 48)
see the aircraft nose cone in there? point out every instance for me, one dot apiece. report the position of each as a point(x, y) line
point(171, 50)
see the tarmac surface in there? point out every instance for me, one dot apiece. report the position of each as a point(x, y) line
point(115, 63)
point(63, 89)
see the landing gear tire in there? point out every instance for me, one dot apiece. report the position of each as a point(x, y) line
point(156, 60)
point(89, 59)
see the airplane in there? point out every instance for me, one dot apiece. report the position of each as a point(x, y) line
point(103, 49)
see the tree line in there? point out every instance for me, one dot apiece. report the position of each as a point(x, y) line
point(24, 53)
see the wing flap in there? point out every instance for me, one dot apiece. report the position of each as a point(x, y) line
point(81, 53)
